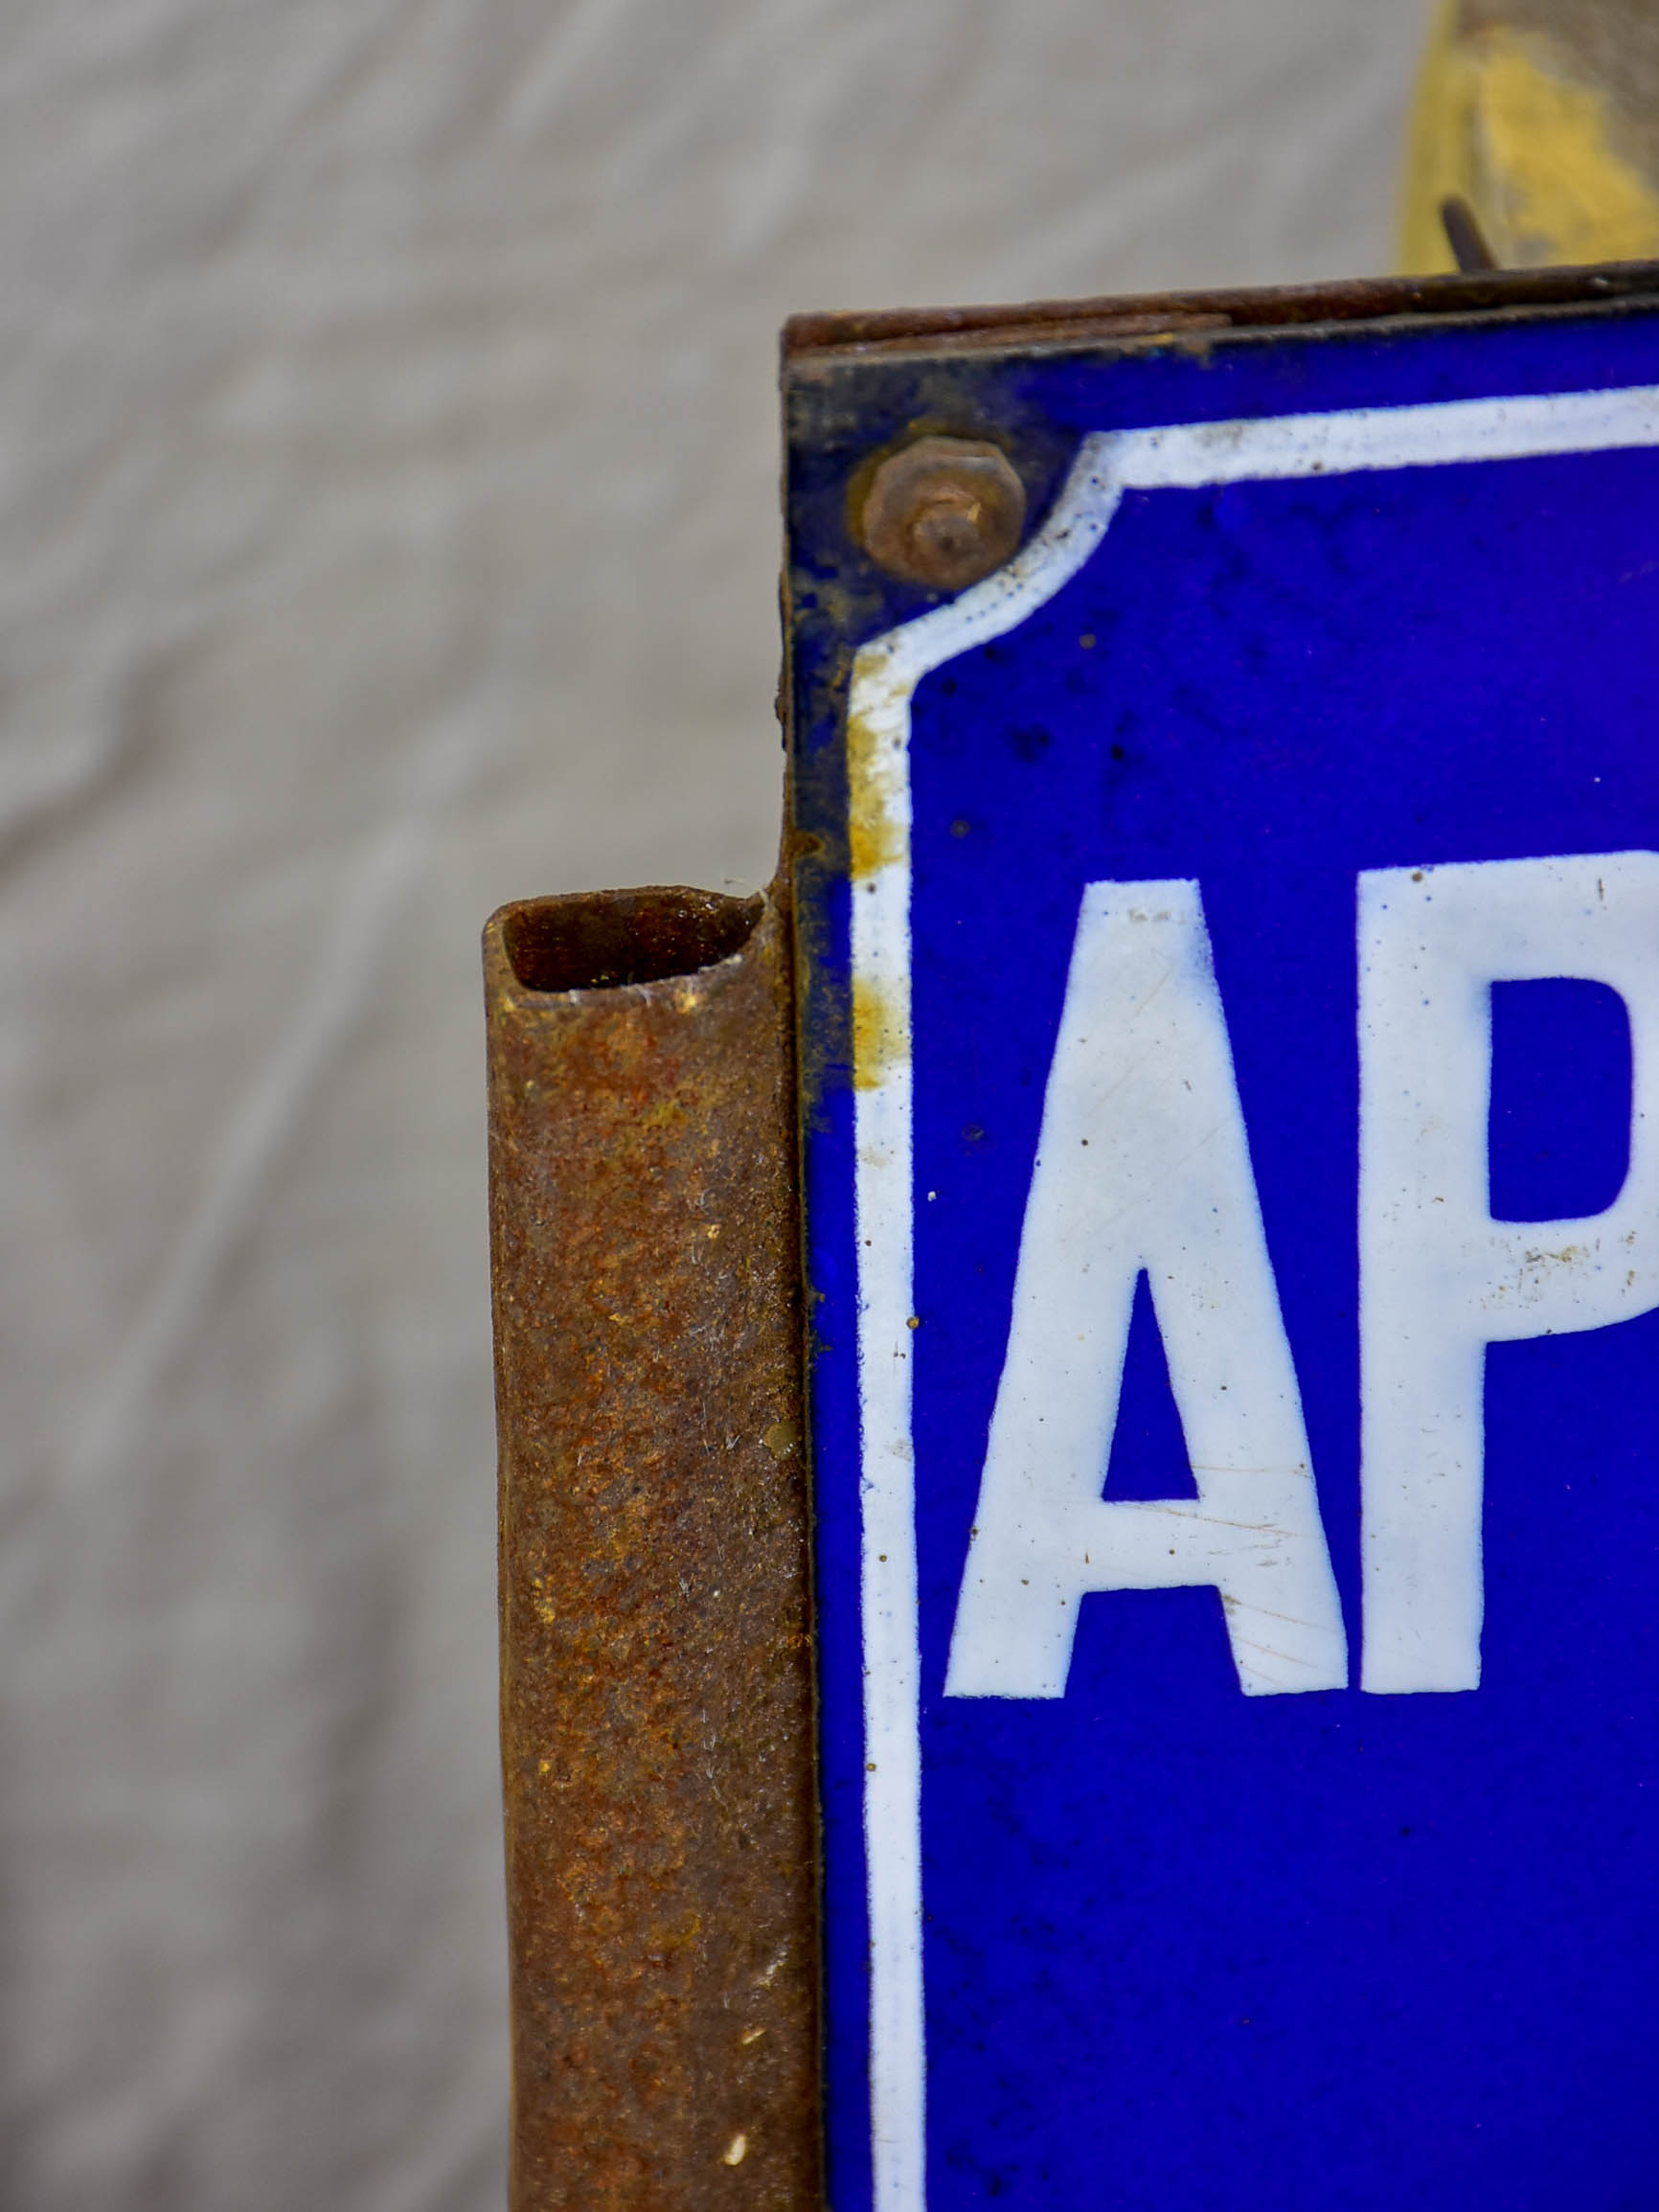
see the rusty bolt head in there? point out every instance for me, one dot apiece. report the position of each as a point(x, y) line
point(943, 512)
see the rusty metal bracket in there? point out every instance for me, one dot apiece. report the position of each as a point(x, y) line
point(656, 1681)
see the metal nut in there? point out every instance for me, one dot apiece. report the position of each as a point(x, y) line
point(943, 512)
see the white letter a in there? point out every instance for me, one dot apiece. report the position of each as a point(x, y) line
point(1143, 1163)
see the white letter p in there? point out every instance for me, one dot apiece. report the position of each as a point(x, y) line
point(1441, 1280)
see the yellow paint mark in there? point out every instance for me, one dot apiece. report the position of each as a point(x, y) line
point(878, 839)
point(1507, 121)
point(736, 2150)
point(873, 770)
point(878, 1034)
point(751, 2035)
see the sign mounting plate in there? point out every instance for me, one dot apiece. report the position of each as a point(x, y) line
point(1230, 1034)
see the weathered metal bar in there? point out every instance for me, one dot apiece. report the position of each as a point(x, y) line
point(1189, 316)
point(656, 1683)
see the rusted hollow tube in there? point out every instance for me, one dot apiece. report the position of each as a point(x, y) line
point(656, 1681)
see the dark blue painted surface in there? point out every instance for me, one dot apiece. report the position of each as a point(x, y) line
point(1185, 1950)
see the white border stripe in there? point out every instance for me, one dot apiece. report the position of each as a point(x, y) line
point(885, 675)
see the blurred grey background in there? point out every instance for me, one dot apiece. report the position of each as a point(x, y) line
point(387, 528)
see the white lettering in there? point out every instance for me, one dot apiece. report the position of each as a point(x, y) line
point(1142, 1164)
point(1441, 1280)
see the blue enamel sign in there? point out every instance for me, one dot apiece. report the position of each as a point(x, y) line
point(1231, 1057)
